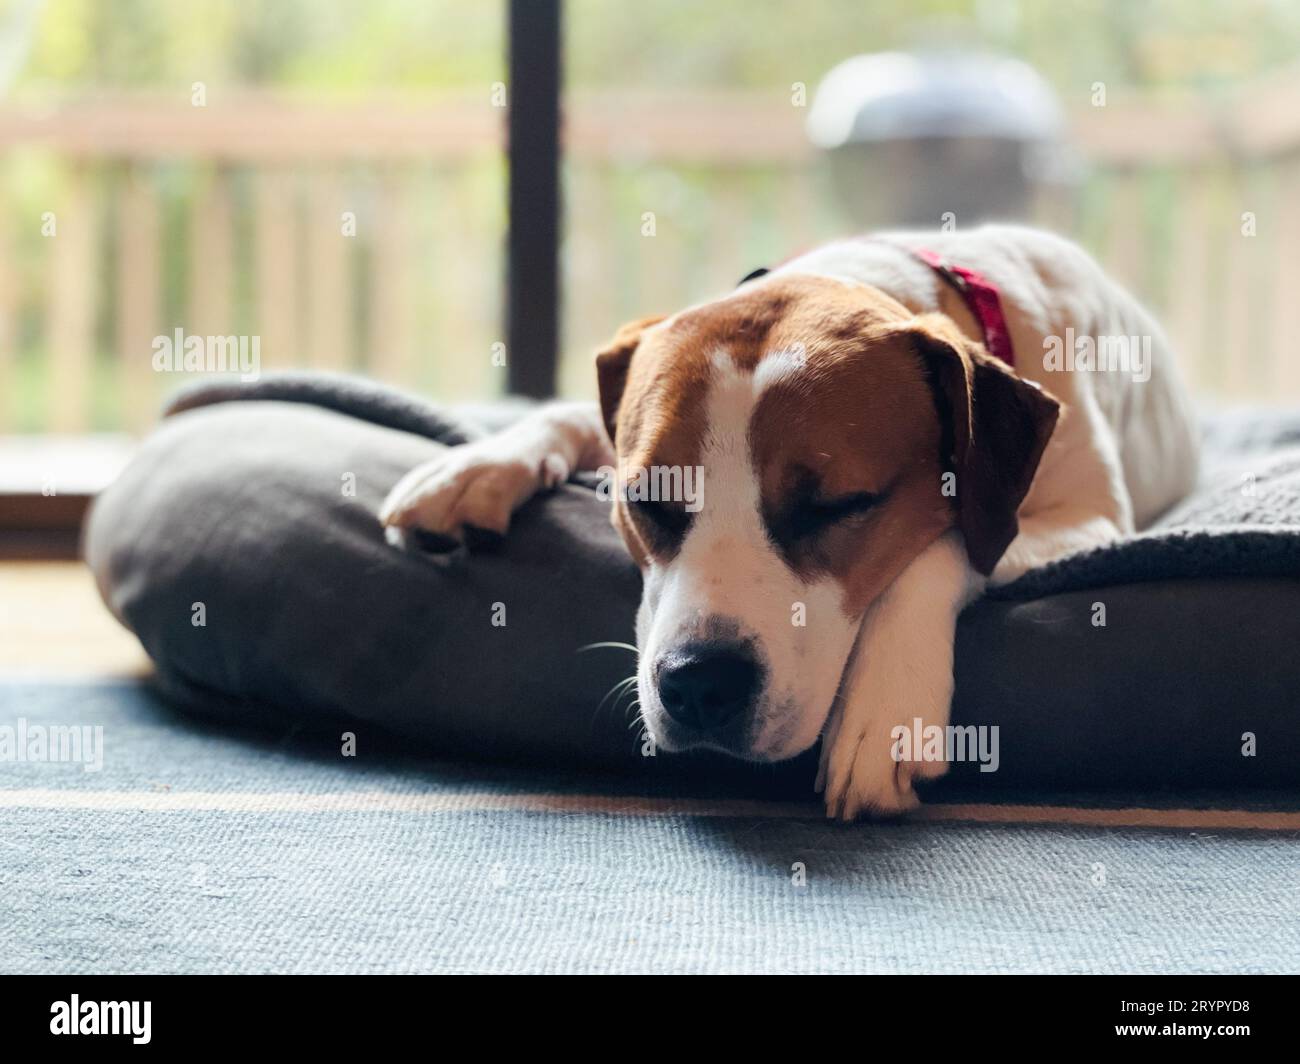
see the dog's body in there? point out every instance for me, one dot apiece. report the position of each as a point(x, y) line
point(868, 467)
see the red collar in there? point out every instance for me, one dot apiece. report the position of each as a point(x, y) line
point(981, 298)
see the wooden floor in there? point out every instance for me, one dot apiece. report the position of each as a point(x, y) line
point(53, 623)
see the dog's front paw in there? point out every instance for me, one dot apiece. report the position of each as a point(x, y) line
point(862, 772)
point(879, 739)
point(897, 690)
point(476, 485)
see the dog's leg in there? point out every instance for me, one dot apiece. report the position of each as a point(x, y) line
point(901, 670)
point(481, 484)
point(1051, 535)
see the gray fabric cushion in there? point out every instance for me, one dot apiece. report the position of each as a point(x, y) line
point(312, 619)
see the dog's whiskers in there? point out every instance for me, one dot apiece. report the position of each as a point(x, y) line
point(619, 688)
point(616, 693)
point(608, 643)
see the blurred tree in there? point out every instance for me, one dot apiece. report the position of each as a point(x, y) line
point(355, 45)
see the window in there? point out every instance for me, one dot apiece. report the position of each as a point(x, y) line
point(323, 178)
point(688, 161)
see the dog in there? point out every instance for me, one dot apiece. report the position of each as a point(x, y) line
point(871, 461)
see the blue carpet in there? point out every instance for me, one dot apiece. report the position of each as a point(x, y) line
point(198, 851)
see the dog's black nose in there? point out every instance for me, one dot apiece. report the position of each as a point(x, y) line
point(705, 687)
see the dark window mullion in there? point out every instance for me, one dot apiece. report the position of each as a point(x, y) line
point(533, 262)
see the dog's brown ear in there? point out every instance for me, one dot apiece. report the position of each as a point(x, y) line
point(996, 425)
point(612, 363)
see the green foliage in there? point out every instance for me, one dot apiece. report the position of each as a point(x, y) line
point(305, 44)
point(355, 45)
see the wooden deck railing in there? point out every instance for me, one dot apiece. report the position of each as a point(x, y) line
point(232, 220)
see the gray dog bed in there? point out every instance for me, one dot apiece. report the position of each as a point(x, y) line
point(252, 510)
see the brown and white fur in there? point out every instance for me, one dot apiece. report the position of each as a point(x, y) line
point(824, 403)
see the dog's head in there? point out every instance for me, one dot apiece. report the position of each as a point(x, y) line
point(784, 453)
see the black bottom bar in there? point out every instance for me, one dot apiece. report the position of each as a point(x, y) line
point(335, 1013)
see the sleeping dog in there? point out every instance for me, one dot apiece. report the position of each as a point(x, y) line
point(882, 427)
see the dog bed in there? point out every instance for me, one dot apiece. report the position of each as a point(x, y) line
point(241, 547)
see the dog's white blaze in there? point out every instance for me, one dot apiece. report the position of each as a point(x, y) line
point(778, 366)
point(728, 569)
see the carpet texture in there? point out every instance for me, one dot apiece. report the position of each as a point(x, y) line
point(195, 850)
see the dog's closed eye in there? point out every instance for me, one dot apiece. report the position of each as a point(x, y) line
point(662, 517)
point(810, 516)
